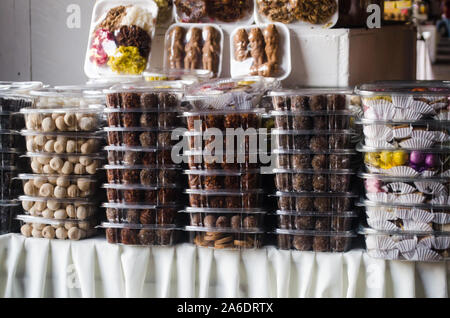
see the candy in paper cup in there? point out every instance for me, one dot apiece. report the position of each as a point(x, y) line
point(407, 245)
point(380, 242)
point(422, 254)
point(402, 133)
point(384, 254)
point(437, 106)
point(431, 187)
point(428, 173)
point(379, 110)
point(400, 187)
point(380, 213)
point(440, 136)
point(424, 134)
point(441, 242)
point(377, 143)
point(410, 198)
point(381, 197)
point(379, 132)
point(421, 215)
point(402, 171)
point(416, 143)
point(411, 225)
point(381, 225)
point(402, 101)
point(442, 200)
point(441, 218)
point(406, 114)
point(426, 242)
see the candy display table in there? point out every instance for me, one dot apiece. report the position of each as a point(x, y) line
point(94, 268)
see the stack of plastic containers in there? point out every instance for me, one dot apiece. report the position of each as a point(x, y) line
point(13, 96)
point(225, 195)
point(407, 170)
point(63, 141)
point(313, 155)
point(143, 189)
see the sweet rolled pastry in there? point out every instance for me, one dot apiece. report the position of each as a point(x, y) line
point(193, 50)
point(272, 48)
point(241, 52)
point(211, 50)
point(176, 49)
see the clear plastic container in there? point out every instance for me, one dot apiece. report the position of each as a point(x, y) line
point(186, 76)
point(202, 120)
point(141, 137)
point(64, 164)
point(317, 221)
point(158, 96)
point(136, 193)
point(315, 202)
point(203, 161)
point(142, 174)
point(305, 15)
point(59, 209)
point(12, 103)
point(405, 101)
point(315, 160)
point(336, 242)
point(214, 11)
point(63, 142)
point(10, 157)
point(407, 246)
point(223, 179)
point(62, 98)
point(73, 230)
point(71, 119)
point(8, 212)
point(11, 121)
point(405, 162)
point(120, 38)
point(313, 140)
point(309, 120)
point(311, 101)
point(193, 46)
point(59, 187)
point(19, 87)
point(141, 214)
point(324, 181)
point(263, 49)
point(147, 235)
point(120, 155)
point(248, 219)
point(407, 218)
point(422, 134)
point(229, 199)
point(11, 139)
point(225, 238)
point(10, 188)
point(407, 190)
point(142, 118)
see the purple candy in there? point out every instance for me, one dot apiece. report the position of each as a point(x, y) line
point(431, 160)
point(417, 158)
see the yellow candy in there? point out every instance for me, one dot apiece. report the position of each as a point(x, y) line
point(386, 157)
point(399, 158)
point(373, 158)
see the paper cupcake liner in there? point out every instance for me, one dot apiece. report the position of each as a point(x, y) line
point(380, 213)
point(409, 255)
point(419, 107)
point(402, 171)
point(381, 225)
point(415, 143)
point(402, 101)
point(381, 197)
point(441, 243)
point(437, 106)
point(407, 245)
point(443, 115)
point(379, 242)
point(374, 170)
point(379, 132)
point(412, 225)
point(444, 200)
point(428, 173)
point(400, 187)
point(402, 133)
point(414, 214)
point(440, 136)
point(407, 114)
point(376, 143)
point(422, 254)
point(424, 134)
point(430, 187)
point(379, 110)
point(426, 242)
point(410, 198)
point(384, 254)
point(441, 218)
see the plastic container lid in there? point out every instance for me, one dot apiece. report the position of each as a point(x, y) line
point(19, 87)
point(221, 172)
point(94, 156)
point(315, 213)
point(313, 171)
point(315, 194)
point(224, 192)
point(223, 210)
point(138, 187)
point(311, 113)
point(314, 132)
point(281, 151)
point(90, 109)
point(136, 206)
point(147, 87)
point(415, 88)
point(68, 134)
point(312, 91)
point(188, 77)
point(41, 220)
point(222, 230)
point(315, 233)
point(107, 225)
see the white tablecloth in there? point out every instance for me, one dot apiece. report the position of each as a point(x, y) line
point(94, 268)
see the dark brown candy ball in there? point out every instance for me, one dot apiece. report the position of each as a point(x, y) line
point(209, 220)
point(223, 222)
point(128, 237)
point(302, 242)
point(146, 237)
point(147, 217)
point(319, 162)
